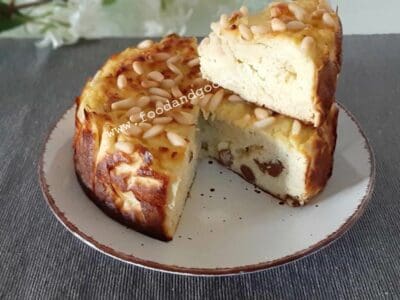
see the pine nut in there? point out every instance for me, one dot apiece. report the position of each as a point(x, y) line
point(328, 20)
point(174, 59)
point(167, 83)
point(277, 25)
point(297, 11)
point(178, 78)
point(307, 44)
point(234, 98)
point(133, 130)
point(156, 98)
point(275, 12)
point(223, 21)
point(159, 92)
point(149, 84)
point(216, 100)
point(183, 117)
point(161, 56)
point(153, 131)
point(318, 13)
point(176, 92)
point(124, 147)
point(295, 25)
point(135, 118)
point(143, 101)
point(194, 62)
point(296, 127)
point(244, 10)
point(174, 68)
point(162, 120)
point(121, 81)
point(133, 110)
point(156, 76)
point(123, 104)
point(175, 139)
point(259, 29)
point(137, 67)
point(261, 113)
point(145, 44)
point(264, 123)
point(245, 32)
point(144, 125)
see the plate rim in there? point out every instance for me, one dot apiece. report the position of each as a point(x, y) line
point(131, 259)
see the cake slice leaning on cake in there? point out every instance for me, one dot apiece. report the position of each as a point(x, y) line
point(285, 58)
point(137, 138)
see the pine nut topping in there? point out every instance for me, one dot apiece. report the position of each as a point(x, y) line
point(133, 110)
point(137, 67)
point(259, 29)
point(318, 13)
point(135, 118)
point(133, 130)
point(275, 12)
point(175, 139)
point(277, 25)
point(244, 10)
point(307, 44)
point(223, 21)
point(204, 101)
point(183, 117)
point(295, 25)
point(159, 92)
point(234, 98)
point(143, 101)
point(216, 100)
point(194, 62)
point(176, 92)
point(167, 83)
point(124, 147)
point(156, 98)
point(145, 44)
point(297, 11)
point(261, 113)
point(123, 104)
point(149, 84)
point(162, 120)
point(144, 126)
point(174, 59)
point(178, 78)
point(156, 76)
point(245, 32)
point(153, 131)
point(161, 56)
point(121, 81)
point(174, 68)
point(264, 122)
point(296, 127)
point(328, 20)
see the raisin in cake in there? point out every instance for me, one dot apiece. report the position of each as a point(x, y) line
point(139, 127)
point(286, 58)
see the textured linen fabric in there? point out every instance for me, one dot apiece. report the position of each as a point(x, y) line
point(40, 259)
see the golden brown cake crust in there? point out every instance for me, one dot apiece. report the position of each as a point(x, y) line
point(97, 172)
point(327, 78)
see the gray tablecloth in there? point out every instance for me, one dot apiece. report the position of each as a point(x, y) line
point(39, 258)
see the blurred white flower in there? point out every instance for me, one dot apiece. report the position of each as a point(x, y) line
point(64, 22)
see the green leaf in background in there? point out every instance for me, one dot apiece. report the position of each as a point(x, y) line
point(9, 20)
point(108, 2)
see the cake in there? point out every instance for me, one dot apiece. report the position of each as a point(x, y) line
point(142, 119)
point(285, 58)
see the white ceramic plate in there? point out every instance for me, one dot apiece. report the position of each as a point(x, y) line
point(233, 229)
